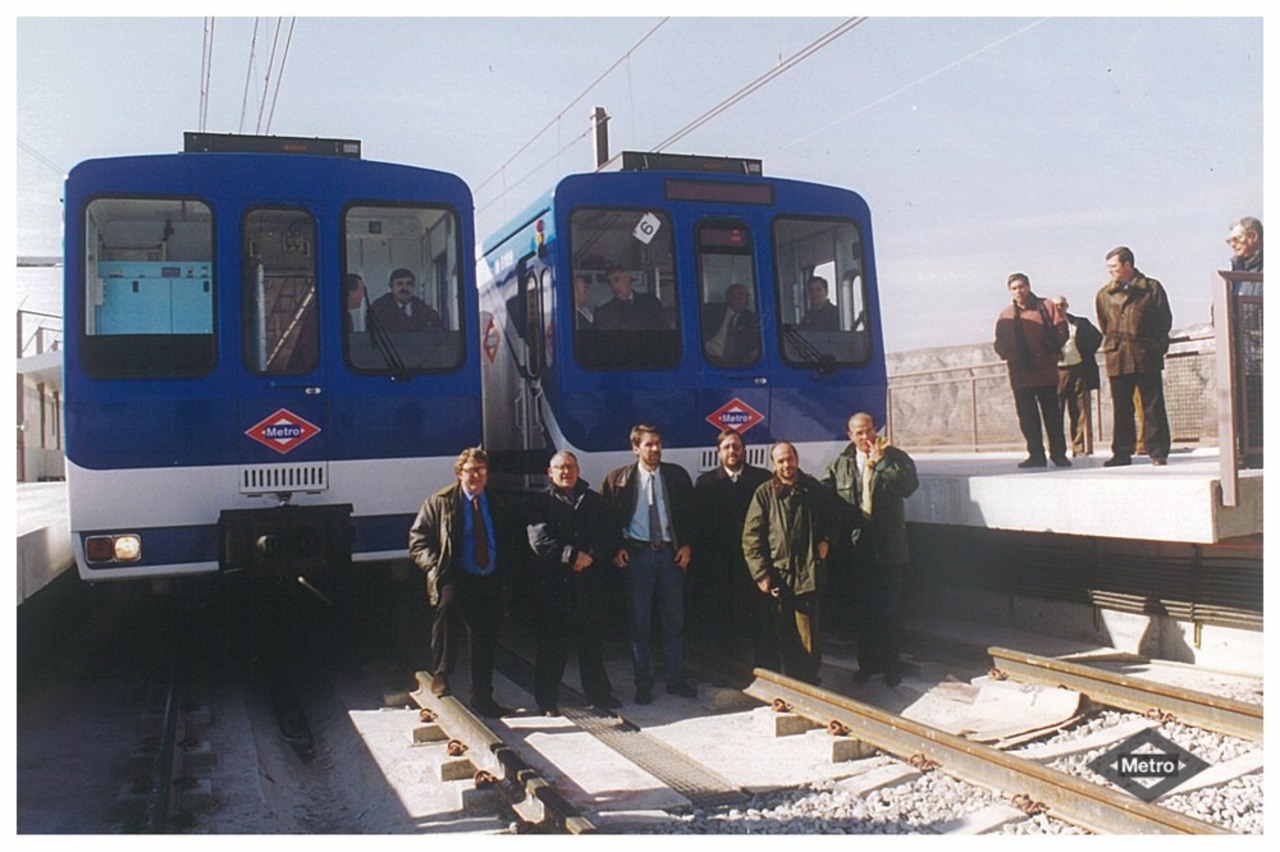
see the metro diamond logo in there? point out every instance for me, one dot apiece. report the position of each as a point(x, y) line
point(735, 414)
point(1147, 765)
point(283, 431)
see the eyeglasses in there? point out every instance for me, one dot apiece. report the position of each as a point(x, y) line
point(1233, 240)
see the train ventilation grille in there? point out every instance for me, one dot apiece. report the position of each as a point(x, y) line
point(266, 478)
point(756, 457)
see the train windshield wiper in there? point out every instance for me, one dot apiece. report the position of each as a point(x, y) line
point(386, 348)
point(807, 352)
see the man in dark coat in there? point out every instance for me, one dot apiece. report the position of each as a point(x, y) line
point(1078, 376)
point(730, 330)
point(571, 532)
point(628, 310)
point(873, 478)
point(723, 601)
point(652, 502)
point(1029, 336)
point(400, 310)
point(1134, 317)
point(462, 539)
point(822, 314)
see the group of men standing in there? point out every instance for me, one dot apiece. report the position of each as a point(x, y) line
point(755, 546)
point(1052, 366)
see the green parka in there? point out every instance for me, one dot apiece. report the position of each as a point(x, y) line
point(783, 529)
point(893, 479)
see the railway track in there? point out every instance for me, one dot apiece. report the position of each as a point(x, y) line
point(862, 730)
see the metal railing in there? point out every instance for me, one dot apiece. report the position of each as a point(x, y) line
point(46, 336)
point(970, 407)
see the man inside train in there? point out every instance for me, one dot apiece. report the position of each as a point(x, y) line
point(822, 315)
point(402, 310)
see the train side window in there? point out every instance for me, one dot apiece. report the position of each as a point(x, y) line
point(281, 328)
point(148, 290)
point(821, 292)
point(727, 291)
point(410, 318)
point(627, 259)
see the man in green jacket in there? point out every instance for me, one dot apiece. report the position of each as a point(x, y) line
point(788, 531)
point(873, 479)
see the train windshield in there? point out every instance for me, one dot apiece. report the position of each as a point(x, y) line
point(727, 294)
point(402, 310)
point(148, 288)
point(821, 292)
point(624, 271)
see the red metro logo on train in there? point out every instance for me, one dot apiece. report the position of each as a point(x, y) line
point(735, 414)
point(282, 431)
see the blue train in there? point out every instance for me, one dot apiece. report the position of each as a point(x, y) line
point(690, 292)
point(270, 355)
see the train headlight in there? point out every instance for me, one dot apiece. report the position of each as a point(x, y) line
point(113, 548)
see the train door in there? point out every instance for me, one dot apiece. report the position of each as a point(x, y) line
point(736, 379)
point(530, 311)
point(283, 404)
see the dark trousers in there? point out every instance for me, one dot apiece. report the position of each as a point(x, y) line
point(1073, 399)
point(655, 584)
point(570, 614)
point(879, 612)
point(1036, 406)
point(799, 625)
point(762, 617)
point(1155, 420)
point(473, 608)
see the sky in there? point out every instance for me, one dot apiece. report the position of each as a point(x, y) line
point(983, 145)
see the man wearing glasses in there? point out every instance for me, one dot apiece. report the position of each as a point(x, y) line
point(461, 539)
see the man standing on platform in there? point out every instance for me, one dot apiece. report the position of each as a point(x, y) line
point(1134, 316)
point(652, 502)
point(1029, 336)
point(462, 540)
point(873, 479)
point(1078, 376)
point(723, 599)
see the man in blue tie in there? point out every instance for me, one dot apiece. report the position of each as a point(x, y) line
point(652, 503)
point(462, 540)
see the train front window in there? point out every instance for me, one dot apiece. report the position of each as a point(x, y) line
point(281, 332)
point(821, 294)
point(625, 285)
point(727, 294)
point(403, 310)
point(148, 288)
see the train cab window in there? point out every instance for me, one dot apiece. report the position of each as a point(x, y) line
point(408, 315)
point(626, 261)
point(148, 288)
point(727, 294)
point(281, 328)
point(821, 298)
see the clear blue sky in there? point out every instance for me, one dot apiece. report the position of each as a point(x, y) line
point(984, 145)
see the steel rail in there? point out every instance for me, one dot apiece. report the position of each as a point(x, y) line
point(532, 797)
point(1212, 712)
point(1096, 808)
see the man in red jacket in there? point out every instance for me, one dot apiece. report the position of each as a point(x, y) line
point(1029, 336)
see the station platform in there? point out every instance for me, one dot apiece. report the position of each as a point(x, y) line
point(1180, 502)
point(44, 535)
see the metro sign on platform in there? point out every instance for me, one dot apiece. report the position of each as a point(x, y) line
point(735, 414)
point(283, 431)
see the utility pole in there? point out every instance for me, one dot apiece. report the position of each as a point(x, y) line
point(600, 124)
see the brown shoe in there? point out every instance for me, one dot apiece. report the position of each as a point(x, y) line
point(439, 685)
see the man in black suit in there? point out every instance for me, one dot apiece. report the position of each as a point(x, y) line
point(822, 315)
point(628, 310)
point(652, 502)
point(723, 600)
point(401, 310)
point(731, 332)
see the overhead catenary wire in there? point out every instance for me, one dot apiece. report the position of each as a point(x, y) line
point(758, 83)
point(624, 57)
point(918, 81)
point(271, 69)
point(248, 75)
point(284, 57)
point(206, 73)
point(41, 158)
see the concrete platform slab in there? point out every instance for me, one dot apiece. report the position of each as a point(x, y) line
point(1180, 502)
